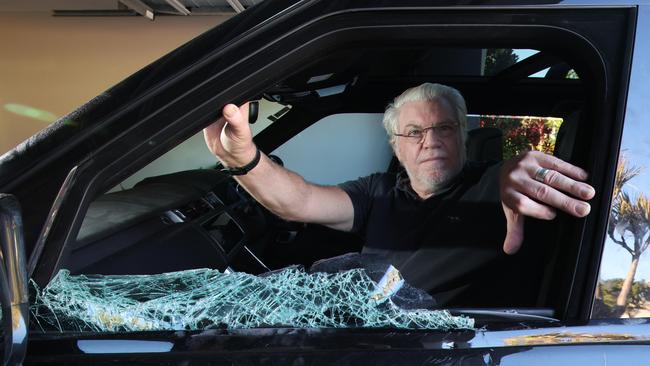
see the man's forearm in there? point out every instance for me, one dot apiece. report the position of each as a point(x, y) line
point(281, 191)
point(284, 193)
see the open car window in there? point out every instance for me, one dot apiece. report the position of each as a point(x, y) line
point(180, 245)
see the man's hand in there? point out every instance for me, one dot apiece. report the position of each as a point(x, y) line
point(535, 184)
point(230, 138)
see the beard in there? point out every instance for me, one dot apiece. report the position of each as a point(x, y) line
point(427, 180)
point(437, 180)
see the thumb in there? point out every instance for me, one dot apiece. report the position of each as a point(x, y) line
point(237, 117)
point(514, 230)
point(237, 130)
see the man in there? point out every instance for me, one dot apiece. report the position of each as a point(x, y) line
point(428, 222)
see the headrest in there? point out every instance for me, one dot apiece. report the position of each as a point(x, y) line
point(566, 136)
point(485, 144)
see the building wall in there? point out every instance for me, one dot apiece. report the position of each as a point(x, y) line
point(55, 64)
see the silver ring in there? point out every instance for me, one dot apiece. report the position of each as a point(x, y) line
point(540, 174)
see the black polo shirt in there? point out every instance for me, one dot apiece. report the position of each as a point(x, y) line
point(450, 244)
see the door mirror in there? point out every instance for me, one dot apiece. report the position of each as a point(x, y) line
point(13, 281)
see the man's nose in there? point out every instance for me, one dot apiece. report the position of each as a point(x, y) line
point(430, 138)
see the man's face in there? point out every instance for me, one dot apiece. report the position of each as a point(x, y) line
point(434, 161)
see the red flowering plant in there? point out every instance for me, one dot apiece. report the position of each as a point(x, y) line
point(524, 133)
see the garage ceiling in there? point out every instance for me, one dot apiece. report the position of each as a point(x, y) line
point(146, 8)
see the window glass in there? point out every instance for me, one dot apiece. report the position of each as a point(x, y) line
point(572, 74)
point(338, 148)
point(540, 74)
point(521, 133)
point(193, 154)
point(624, 280)
point(623, 288)
point(496, 60)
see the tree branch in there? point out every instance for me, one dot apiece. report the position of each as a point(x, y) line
point(623, 243)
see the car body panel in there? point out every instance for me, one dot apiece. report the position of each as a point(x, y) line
point(602, 342)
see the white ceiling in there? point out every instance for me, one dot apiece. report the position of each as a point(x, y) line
point(49, 5)
point(161, 7)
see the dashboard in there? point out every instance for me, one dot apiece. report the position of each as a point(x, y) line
point(194, 219)
point(186, 220)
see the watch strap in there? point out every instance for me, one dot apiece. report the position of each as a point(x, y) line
point(246, 168)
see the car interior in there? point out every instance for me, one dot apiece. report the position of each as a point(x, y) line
point(199, 217)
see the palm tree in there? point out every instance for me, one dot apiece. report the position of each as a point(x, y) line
point(628, 218)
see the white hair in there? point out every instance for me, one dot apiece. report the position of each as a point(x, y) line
point(427, 92)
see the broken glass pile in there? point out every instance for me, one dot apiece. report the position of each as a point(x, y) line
point(206, 298)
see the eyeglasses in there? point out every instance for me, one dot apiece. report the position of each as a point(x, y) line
point(417, 135)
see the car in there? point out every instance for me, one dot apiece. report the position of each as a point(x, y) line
point(123, 237)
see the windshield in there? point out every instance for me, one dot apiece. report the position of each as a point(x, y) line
point(193, 154)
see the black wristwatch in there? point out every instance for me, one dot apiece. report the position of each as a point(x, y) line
point(246, 168)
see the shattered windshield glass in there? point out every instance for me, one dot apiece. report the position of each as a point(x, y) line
point(207, 298)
